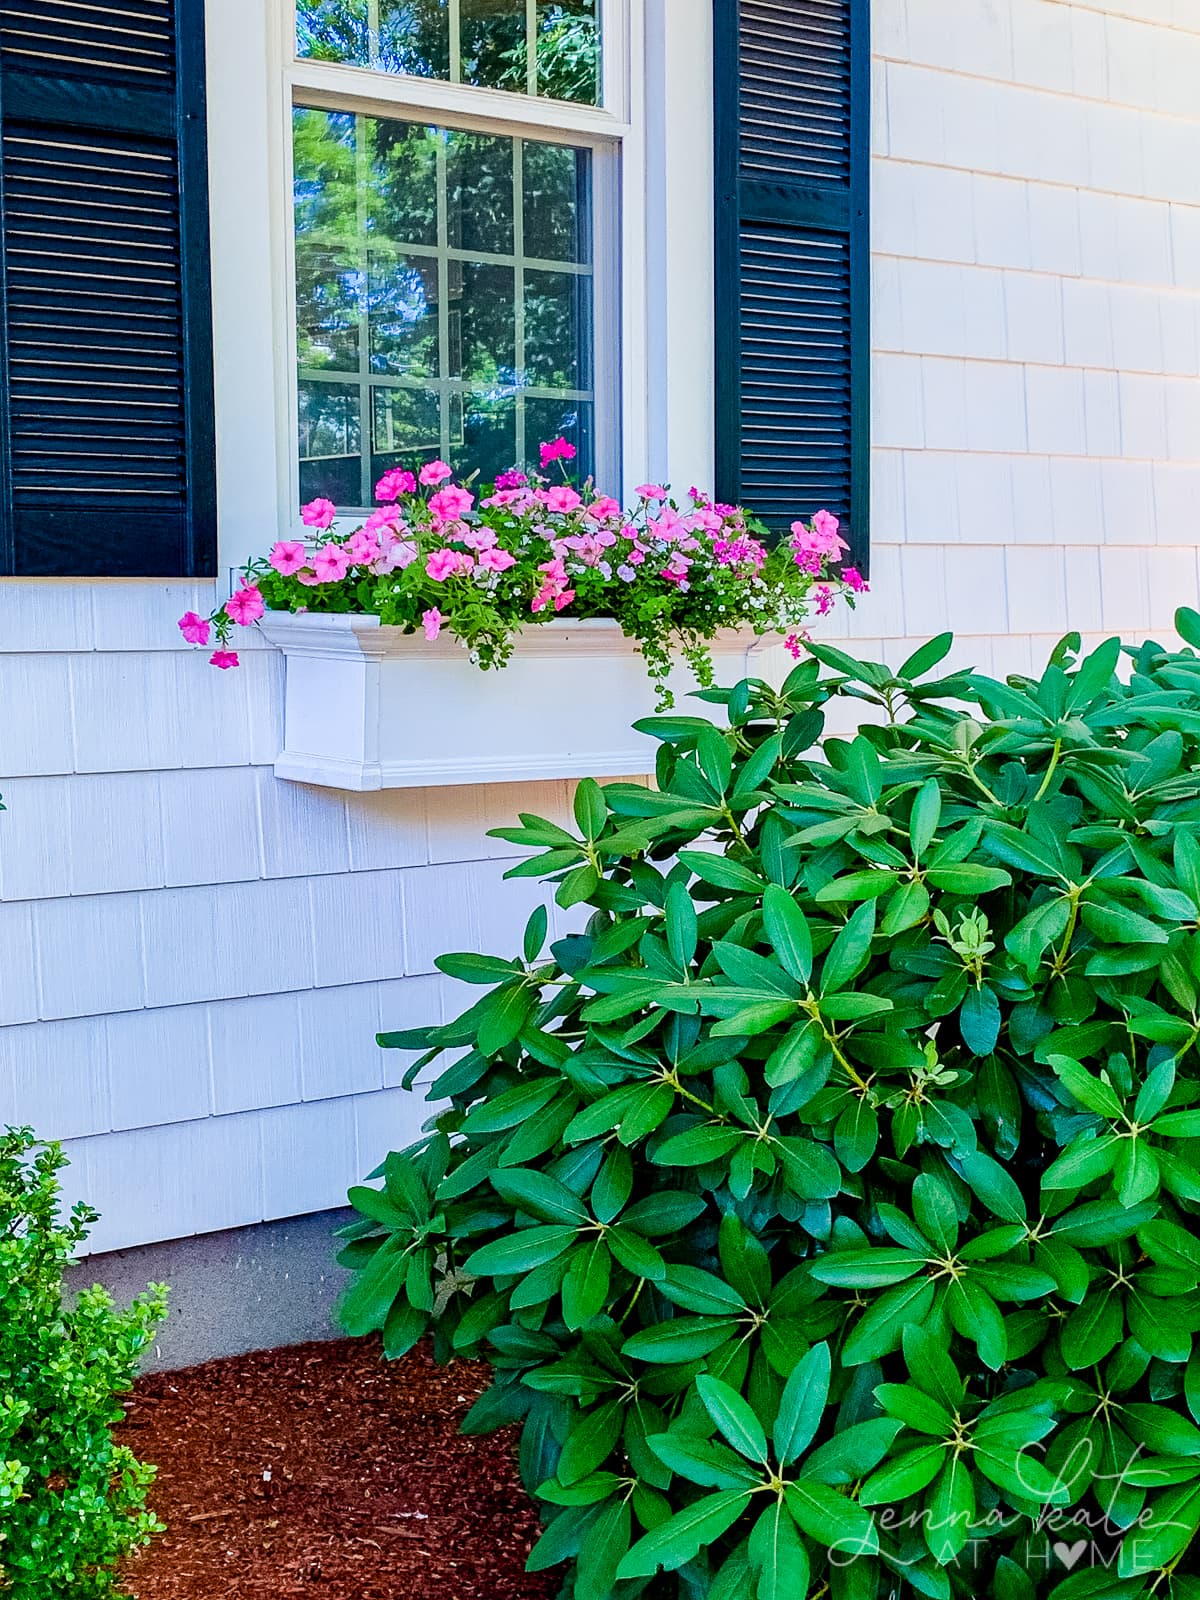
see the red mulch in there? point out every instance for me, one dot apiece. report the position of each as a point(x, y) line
point(326, 1472)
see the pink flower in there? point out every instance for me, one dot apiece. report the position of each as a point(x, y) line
point(194, 628)
point(511, 480)
point(288, 556)
point(825, 595)
point(590, 547)
point(318, 513)
point(308, 578)
point(444, 564)
point(496, 560)
point(245, 605)
point(604, 508)
point(386, 519)
point(652, 491)
point(793, 645)
point(399, 553)
point(331, 563)
point(853, 579)
point(363, 548)
point(519, 498)
point(435, 472)
point(224, 659)
point(821, 540)
point(478, 538)
point(826, 524)
point(395, 483)
point(451, 504)
point(563, 600)
point(432, 622)
point(560, 499)
point(557, 450)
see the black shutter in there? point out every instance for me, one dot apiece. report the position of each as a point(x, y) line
point(106, 393)
point(793, 259)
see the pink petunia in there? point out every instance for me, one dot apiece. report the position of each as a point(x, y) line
point(652, 491)
point(451, 504)
point(224, 659)
point(496, 560)
point(245, 605)
point(331, 563)
point(194, 628)
point(563, 600)
point(397, 554)
point(308, 578)
point(444, 564)
point(511, 480)
point(603, 509)
point(288, 556)
point(435, 472)
point(853, 579)
point(432, 621)
point(363, 548)
point(395, 483)
point(560, 499)
point(557, 450)
point(318, 514)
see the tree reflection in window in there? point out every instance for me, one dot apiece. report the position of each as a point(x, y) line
point(550, 48)
point(444, 299)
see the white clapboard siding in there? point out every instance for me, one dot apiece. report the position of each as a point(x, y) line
point(196, 957)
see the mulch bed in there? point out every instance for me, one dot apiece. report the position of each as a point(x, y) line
point(326, 1472)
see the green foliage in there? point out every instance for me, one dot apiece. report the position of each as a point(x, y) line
point(72, 1502)
point(828, 1209)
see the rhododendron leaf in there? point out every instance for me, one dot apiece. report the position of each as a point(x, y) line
point(477, 969)
point(802, 1405)
point(850, 950)
point(591, 812)
point(788, 932)
point(721, 872)
point(677, 1542)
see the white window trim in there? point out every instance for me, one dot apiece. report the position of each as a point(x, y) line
point(658, 117)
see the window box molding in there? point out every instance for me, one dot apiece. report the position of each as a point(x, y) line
point(371, 707)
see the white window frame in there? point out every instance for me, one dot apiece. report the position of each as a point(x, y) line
point(653, 239)
point(604, 130)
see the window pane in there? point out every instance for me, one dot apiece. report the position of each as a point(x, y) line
point(430, 318)
point(549, 48)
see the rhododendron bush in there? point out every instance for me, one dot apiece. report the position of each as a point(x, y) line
point(438, 556)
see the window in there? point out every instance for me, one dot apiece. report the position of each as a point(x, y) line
point(793, 259)
point(106, 434)
point(448, 299)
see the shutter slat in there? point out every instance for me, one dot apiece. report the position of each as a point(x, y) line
point(132, 41)
point(794, 121)
point(85, 280)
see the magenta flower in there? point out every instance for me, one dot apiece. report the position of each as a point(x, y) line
point(825, 595)
point(288, 556)
point(245, 605)
point(821, 540)
point(435, 472)
point(395, 483)
point(496, 560)
point(363, 548)
point(853, 579)
point(557, 450)
point(194, 628)
point(450, 504)
point(224, 659)
point(331, 563)
point(432, 622)
point(563, 600)
point(511, 480)
point(519, 498)
point(560, 499)
point(444, 564)
point(318, 514)
point(792, 645)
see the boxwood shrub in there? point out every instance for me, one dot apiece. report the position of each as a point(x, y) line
point(827, 1209)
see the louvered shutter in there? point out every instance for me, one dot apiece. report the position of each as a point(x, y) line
point(793, 261)
point(106, 397)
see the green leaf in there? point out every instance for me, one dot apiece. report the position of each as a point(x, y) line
point(994, 1186)
point(950, 1511)
point(925, 658)
point(1165, 1534)
point(635, 1255)
point(1179, 1125)
point(831, 1519)
point(906, 1474)
point(1092, 1331)
point(700, 1291)
point(591, 811)
point(682, 931)
point(683, 1339)
point(477, 969)
point(604, 1546)
point(788, 933)
point(802, 1405)
point(881, 1327)
point(867, 1269)
point(680, 1540)
point(968, 878)
point(519, 1252)
point(370, 1297)
point(1090, 1092)
point(1113, 924)
point(585, 1288)
point(721, 872)
point(502, 1016)
point(734, 1417)
point(850, 951)
point(1083, 1161)
point(535, 933)
point(979, 1020)
point(857, 886)
point(778, 1552)
point(539, 1195)
point(1155, 1092)
point(916, 1410)
point(926, 816)
point(702, 1461)
point(696, 1147)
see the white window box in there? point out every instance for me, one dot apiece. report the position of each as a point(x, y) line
point(369, 707)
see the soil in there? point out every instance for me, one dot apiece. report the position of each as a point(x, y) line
point(326, 1472)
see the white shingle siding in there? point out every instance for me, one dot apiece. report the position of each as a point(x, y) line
point(196, 957)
